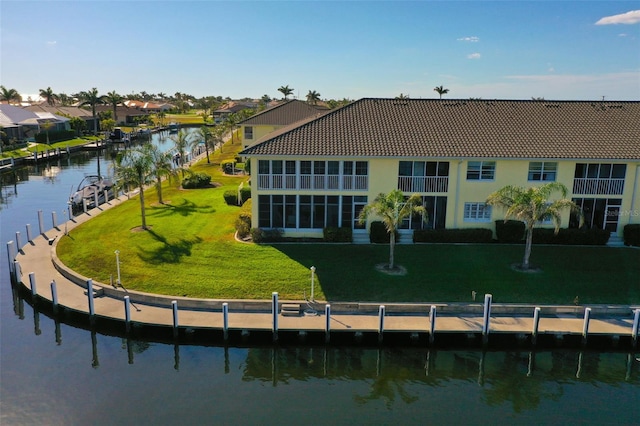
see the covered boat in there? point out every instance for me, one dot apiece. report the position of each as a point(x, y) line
point(87, 189)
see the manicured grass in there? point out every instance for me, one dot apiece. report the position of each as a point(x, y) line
point(190, 251)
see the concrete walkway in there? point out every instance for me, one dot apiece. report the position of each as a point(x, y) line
point(37, 262)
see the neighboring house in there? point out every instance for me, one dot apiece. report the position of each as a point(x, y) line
point(271, 119)
point(22, 124)
point(454, 153)
point(220, 114)
point(65, 111)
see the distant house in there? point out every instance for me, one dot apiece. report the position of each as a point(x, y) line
point(321, 172)
point(276, 117)
point(22, 124)
point(232, 107)
point(65, 111)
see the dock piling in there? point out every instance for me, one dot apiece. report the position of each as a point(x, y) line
point(54, 219)
point(127, 313)
point(536, 324)
point(92, 310)
point(41, 222)
point(381, 311)
point(54, 296)
point(432, 324)
point(327, 322)
point(585, 324)
point(225, 321)
point(174, 307)
point(634, 329)
point(29, 237)
point(274, 312)
point(486, 317)
point(18, 240)
point(32, 282)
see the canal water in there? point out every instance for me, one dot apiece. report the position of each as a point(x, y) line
point(54, 374)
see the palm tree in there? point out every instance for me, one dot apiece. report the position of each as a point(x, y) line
point(91, 98)
point(48, 95)
point(205, 133)
point(313, 97)
point(64, 99)
point(181, 141)
point(113, 99)
point(8, 95)
point(441, 90)
point(285, 90)
point(402, 96)
point(531, 206)
point(134, 167)
point(161, 165)
point(392, 208)
point(230, 122)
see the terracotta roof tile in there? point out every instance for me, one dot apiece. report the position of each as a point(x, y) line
point(285, 113)
point(465, 128)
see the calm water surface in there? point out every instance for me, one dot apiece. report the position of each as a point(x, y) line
point(55, 374)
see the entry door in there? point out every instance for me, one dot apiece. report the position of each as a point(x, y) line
point(612, 213)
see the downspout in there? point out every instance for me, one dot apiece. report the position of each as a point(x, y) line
point(634, 211)
point(456, 204)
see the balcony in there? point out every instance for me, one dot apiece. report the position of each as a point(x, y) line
point(597, 186)
point(423, 183)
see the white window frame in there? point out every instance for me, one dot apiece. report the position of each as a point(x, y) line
point(476, 212)
point(543, 171)
point(482, 164)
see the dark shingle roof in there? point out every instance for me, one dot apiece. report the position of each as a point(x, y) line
point(465, 128)
point(284, 114)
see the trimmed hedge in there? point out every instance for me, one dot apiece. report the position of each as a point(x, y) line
point(259, 235)
point(465, 235)
point(337, 235)
point(632, 234)
point(196, 180)
point(243, 224)
point(511, 231)
point(378, 233)
point(571, 236)
point(245, 194)
point(55, 136)
point(231, 197)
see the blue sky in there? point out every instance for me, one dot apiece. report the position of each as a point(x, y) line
point(579, 50)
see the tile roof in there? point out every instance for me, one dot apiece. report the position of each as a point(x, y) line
point(464, 128)
point(285, 113)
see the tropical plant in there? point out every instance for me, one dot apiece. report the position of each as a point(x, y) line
point(205, 134)
point(532, 206)
point(65, 100)
point(135, 167)
point(313, 97)
point(230, 123)
point(392, 208)
point(48, 95)
point(9, 95)
point(161, 166)
point(181, 141)
point(441, 90)
point(402, 96)
point(113, 99)
point(285, 90)
point(91, 98)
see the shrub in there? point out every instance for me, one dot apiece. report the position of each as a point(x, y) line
point(231, 197)
point(196, 180)
point(337, 235)
point(243, 224)
point(465, 235)
point(632, 234)
point(245, 194)
point(511, 231)
point(571, 236)
point(378, 233)
point(260, 235)
point(55, 136)
point(228, 166)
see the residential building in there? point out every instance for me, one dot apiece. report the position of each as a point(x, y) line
point(454, 153)
point(276, 117)
point(21, 124)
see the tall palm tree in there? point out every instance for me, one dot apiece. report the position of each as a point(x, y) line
point(205, 134)
point(392, 208)
point(313, 97)
point(532, 206)
point(402, 96)
point(161, 165)
point(181, 141)
point(48, 95)
point(91, 98)
point(9, 95)
point(64, 99)
point(134, 167)
point(285, 90)
point(113, 99)
point(230, 123)
point(441, 90)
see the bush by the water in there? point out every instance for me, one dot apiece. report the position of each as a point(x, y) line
point(511, 231)
point(196, 180)
point(571, 236)
point(465, 235)
point(337, 235)
point(632, 234)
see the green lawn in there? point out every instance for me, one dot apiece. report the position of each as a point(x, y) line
point(190, 251)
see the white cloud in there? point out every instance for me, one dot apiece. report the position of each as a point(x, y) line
point(474, 56)
point(52, 43)
point(631, 17)
point(472, 39)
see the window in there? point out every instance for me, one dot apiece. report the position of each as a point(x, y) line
point(248, 132)
point(477, 212)
point(481, 170)
point(542, 171)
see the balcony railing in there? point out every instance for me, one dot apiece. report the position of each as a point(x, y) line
point(423, 183)
point(598, 186)
point(321, 182)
